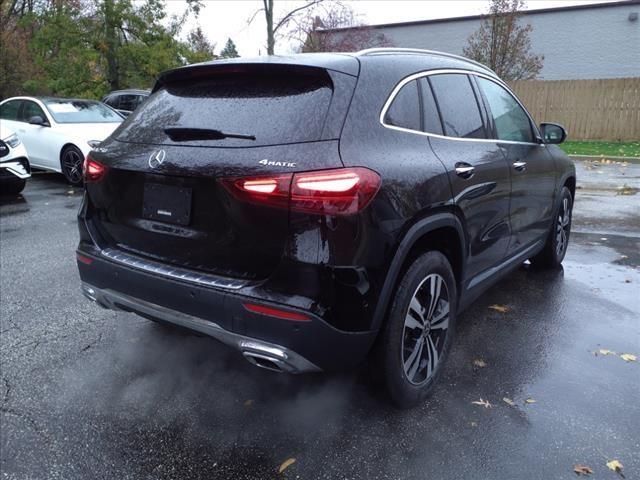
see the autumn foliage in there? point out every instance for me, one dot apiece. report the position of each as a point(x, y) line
point(502, 43)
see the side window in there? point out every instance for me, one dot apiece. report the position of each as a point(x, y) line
point(458, 106)
point(31, 109)
point(9, 110)
point(112, 101)
point(404, 111)
point(128, 102)
point(141, 98)
point(512, 122)
point(430, 115)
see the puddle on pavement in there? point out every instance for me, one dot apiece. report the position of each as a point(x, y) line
point(608, 265)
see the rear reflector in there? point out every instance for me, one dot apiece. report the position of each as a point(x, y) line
point(341, 191)
point(93, 171)
point(83, 259)
point(276, 312)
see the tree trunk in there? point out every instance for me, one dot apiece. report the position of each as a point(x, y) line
point(268, 13)
point(111, 40)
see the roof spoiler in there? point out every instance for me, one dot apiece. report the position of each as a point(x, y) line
point(343, 63)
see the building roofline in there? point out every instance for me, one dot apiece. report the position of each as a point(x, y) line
point(585, 6)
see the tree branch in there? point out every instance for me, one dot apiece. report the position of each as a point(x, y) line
point(253, 15)
point(288, 16)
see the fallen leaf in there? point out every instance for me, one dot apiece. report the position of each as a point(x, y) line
point(508, 401)
point(604, 351)
point(286, 464)
point(616, 466)
point(582, 470)
point(627, 357)
point(529, 400)
point(627, 280)
point(478, 362)
point(627, 190)
point(248, 403)
point(499, 308)
point(482, 403)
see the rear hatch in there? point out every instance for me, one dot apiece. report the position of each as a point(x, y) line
point(164, 196)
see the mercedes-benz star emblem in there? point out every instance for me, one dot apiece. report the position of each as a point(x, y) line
point(156, 158)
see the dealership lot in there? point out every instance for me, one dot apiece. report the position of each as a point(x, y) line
point(90, 393)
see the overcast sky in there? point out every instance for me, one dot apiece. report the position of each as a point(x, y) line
point(222, 19)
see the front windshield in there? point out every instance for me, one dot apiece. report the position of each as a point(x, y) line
point(81, 111)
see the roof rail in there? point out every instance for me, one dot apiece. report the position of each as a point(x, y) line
point(370, 51)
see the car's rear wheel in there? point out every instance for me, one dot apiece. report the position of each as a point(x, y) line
point(13, 188)
point(71, 161)
point(419, 330)
point(555, 248)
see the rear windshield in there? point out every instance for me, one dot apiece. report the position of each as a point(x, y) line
point(81, 111)
point(259, 107)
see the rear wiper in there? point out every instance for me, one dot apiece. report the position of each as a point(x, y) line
point(181, 134)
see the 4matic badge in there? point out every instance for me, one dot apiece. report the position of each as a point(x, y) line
point(273, 163)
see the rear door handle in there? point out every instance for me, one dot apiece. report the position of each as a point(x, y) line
point(520, 165)
point(464, 170)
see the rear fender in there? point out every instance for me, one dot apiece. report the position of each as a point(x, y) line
point(413, 235)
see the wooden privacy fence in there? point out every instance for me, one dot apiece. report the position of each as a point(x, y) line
point(607, 109)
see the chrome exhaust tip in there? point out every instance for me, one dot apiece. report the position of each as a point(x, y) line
point(263, 361)
point(266, 356)
point(89, 292)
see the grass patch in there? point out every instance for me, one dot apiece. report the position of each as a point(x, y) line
point(602, 149)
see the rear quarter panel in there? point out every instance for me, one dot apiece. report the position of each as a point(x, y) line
point(414, 182)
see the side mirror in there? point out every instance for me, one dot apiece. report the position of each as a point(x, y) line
point(553, 133)
point(38, 120)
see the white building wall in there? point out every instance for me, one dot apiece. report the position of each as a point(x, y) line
point(577, 44)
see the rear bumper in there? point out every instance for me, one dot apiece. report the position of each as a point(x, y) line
point(260, 353)
point(279, 344)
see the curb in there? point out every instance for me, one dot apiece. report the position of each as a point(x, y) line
point(594, 158)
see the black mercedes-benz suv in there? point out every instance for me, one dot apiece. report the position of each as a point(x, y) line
point(319, 209)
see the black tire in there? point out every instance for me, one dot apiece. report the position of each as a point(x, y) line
point(13, 187)
point(410, 382)
point(71, 160)
point(555, 248)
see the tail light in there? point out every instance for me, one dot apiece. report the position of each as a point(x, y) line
point(342, 191)
point(273, 191)
point(93, 171)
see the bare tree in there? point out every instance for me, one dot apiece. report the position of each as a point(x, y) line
point(503, 45)
point(273, 28)
point(333, 27)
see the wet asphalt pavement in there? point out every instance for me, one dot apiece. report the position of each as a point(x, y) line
point(93, 394)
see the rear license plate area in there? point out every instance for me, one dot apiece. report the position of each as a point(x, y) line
point(167, 203)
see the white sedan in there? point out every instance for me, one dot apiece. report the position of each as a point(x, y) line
point(14, 163)
point(58, 133)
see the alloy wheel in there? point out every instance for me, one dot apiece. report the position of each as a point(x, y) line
point(72, 164)
point(425, 329)
point(563, 227)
